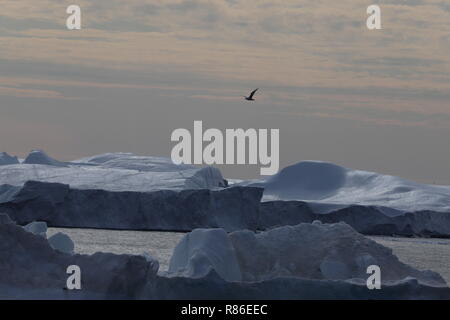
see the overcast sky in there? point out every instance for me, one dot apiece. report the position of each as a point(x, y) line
point(374, 100)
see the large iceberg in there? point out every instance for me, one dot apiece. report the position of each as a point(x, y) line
point(311, 251)
point(371, 203)
point(113, 172)
point(59, 205)
point(202, 251)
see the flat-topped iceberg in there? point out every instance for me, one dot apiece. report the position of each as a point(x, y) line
point(59, 205)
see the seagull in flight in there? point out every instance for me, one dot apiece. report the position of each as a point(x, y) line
point(250, 97)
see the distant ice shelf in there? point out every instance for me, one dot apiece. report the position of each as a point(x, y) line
point(112, 171)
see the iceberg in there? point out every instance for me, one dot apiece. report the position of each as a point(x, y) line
point(113, 172)
point(40, 157)
point(309, 251)
point(59, 205)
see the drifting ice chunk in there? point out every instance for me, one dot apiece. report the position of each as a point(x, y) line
point(61, 242)
point(40, 157)
point(6, 159)
point(306, 251)
point(204, 250)
point(38, 228)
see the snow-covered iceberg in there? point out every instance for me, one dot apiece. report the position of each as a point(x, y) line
point(371, 203)
point(40, 157)
point(59, 205)
point(327, 187)
point(203, 250)
point(113, 172)
point(311, 251)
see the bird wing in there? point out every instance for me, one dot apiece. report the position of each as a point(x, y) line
point(253, 93)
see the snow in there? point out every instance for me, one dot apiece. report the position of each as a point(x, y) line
point(6, 159)
point(203, 250)
point(113, 172)
point(327, 187)
point(61, 242)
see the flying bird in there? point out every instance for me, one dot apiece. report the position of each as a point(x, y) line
point(250, 97)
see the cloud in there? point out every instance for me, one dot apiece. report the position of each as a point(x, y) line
point(313, 52)
point(31, 93)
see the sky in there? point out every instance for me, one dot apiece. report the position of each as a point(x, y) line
point(376, 100)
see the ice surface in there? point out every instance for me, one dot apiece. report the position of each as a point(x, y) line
point(113, 172)
point(328, 187)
